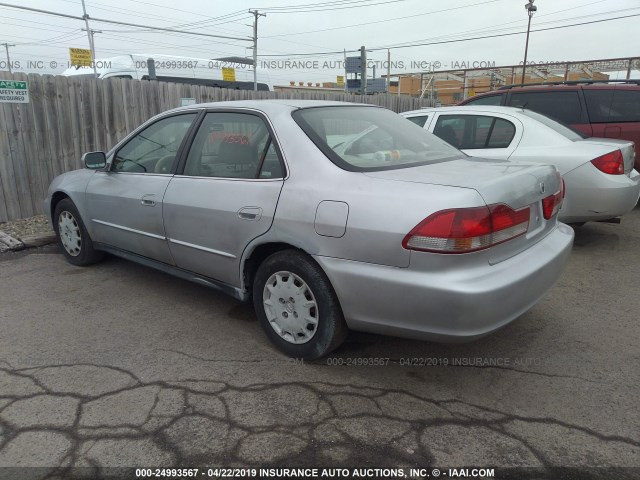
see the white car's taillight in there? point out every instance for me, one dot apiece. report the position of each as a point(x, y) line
point(611, 163)
point(464, 230)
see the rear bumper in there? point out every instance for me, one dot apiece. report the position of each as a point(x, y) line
point(462, 303)
point(598, 196)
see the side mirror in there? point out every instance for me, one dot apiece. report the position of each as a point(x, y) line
point(94, 160)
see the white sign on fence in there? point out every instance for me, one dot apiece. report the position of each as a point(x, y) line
point(14, 92)
point(185, 102)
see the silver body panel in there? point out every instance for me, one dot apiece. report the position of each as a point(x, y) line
point(352, 223)
point(591, 194)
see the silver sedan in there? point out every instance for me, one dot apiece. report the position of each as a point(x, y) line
point(397, 234)
point(600, 179)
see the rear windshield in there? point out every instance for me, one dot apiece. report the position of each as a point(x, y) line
point(369, 138)
point(557, 127)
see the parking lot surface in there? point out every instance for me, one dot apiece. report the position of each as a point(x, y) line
point(120, 365)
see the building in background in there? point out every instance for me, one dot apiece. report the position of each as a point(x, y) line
point(448, 87)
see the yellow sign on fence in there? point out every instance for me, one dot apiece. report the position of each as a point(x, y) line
point(340, 80)
point(229, 74)
point(80, 57)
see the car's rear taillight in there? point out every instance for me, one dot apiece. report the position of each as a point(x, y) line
point(463, 230)
point(551, 205)
point(611, 163)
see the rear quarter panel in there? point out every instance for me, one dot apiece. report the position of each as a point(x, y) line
point(380, 212)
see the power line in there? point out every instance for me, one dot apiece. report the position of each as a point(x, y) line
point(493, 28)
point(334, 2)
point(383, 21)
point(501, 34)
point(114, 22)
point(403, 45)
point(342, 7)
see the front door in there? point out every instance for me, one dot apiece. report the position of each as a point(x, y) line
point(125, 203)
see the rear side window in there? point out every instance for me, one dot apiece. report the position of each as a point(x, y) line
point(562, 106)
point(468, 132)
point(489, 100)
point(598, 104)
point(614, 106)
point(233, 145)
point(625, 106)
point(419, 120)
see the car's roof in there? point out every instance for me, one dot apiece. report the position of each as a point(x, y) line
point(273, 105)
point(468, 108)
point(559, 87)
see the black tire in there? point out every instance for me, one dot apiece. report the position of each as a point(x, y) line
point(330, 329)
point(86, 254)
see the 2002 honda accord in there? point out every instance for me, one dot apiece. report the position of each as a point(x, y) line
point(261, 200)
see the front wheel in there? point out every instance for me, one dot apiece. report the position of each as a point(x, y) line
point(72, 235)
point(297, 306)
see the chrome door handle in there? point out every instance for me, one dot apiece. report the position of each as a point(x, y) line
point(250, 213)
point(147, 200)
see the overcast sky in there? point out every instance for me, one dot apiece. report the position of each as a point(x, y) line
point(294, 27)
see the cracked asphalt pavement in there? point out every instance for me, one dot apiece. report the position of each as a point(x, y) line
point(120, 365)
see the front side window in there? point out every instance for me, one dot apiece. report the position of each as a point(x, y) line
point(475, 131)
point(154, 149)
point(233, 145)
point(564, 107)
point(369, 138)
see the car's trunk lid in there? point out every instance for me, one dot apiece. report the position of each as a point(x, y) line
point(515, 184)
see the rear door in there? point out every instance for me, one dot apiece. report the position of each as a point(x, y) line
point(224, 195)
point(615, 113)
point(625, 114)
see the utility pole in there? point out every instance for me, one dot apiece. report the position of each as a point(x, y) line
point(6, 46)
point(531, 9)
point(90, 36)
point(255, 14)
point(93, 41)
point(388, 71)
point(363, 71)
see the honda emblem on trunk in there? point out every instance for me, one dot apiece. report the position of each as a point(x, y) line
point(542, 187)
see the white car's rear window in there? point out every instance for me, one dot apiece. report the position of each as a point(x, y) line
point(556, 126)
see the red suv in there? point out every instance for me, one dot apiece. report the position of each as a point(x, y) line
point(609, 109)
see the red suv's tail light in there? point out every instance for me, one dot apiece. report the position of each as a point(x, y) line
point(611, 163)
point(463, 230)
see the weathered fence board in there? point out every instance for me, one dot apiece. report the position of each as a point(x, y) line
point(68, 116)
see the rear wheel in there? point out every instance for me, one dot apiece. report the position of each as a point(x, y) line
point(297, 305)
point(73, 237)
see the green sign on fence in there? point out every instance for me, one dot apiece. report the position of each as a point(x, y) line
point(12, 91)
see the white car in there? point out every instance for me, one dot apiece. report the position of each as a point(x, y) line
point(601, 183)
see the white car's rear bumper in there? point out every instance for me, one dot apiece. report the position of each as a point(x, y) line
point(593, 195)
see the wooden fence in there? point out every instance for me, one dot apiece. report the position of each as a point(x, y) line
point(68, 116)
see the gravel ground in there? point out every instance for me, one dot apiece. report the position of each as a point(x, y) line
point(26, 227)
